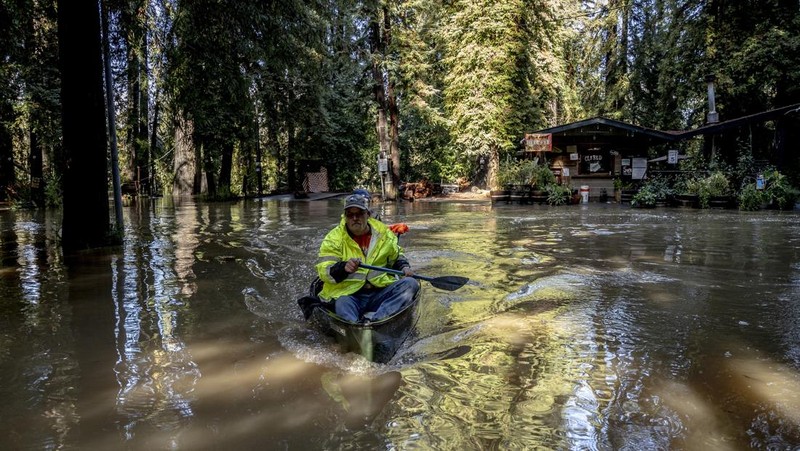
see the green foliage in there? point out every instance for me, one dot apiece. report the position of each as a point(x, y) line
point(525, 173)
point(644, 198)
point(470, 77)
point(750, 198)
point(654, 190)
point(53, 194)
point(507, 173)
point(714, 185)
point(542, 177)
point(779, 193)
point(558, 194)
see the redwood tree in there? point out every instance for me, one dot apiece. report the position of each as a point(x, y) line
point(85, 222)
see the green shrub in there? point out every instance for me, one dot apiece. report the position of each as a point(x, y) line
point(652, 191)
point(714, 185)
point(507, 173)
point(52, 191)
point(558, 194)
point(542, 177)
point(779, 193)
point(750, 199)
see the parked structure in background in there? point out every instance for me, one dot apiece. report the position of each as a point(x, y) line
point(593, 152)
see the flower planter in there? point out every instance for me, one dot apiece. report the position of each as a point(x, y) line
point(687, 200)
point(719, 202)
point(501, 196)
point(627, 195)
point(520, 194)
point(538, 196)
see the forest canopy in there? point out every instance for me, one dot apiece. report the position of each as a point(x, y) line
point(227, 98)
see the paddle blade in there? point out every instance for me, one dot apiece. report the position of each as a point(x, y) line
point(449, 283)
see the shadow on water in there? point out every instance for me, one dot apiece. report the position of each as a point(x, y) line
point(585, 327)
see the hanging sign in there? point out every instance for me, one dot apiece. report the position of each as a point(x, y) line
point(672, 156)
point(538, 142)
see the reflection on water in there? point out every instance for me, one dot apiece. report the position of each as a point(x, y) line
point(585, 327)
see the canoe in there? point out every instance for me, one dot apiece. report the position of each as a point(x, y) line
point(378, 341)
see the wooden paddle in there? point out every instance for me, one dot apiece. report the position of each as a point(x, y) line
point(449, 283)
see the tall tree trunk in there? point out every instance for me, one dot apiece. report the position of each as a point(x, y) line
point(85, 220)
point(154, 186)
point(184, 164)
point(787, 133)
point(258, 172)
point(7, 178)
point(226, 164)
point(36, 168)
point(208, 169)
point(111, 118)
point(394, 113)
point(291, 164)
point(137, 138)
point(197, 183)
point(36, 114)
point(377, 50)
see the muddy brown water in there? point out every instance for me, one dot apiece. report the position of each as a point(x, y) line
point(585, 327)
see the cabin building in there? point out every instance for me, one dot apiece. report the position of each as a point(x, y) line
point(593, 152)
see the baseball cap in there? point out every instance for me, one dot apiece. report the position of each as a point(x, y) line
point(356, 200)
point(362, 192)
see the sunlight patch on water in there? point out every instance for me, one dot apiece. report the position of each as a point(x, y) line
point(590, 230)
point(560, 286)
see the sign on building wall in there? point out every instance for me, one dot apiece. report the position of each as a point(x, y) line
point(639, 168)
point(538, 142)
point(672, 156)
point(595, 163)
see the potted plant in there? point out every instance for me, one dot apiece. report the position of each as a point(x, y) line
point(624, 191)
point(507, 175)
point(617, 189)
point(751, 198)
point(715, 191)
point(558, 194)
point(779, 193)
point(521, 190)
point(686, 191)
point(541, 178)
point(646, 197)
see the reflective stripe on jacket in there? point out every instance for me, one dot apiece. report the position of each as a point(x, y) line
point(338, 246)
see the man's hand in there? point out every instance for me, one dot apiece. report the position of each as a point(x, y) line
point(352, 265)
point(408, 271)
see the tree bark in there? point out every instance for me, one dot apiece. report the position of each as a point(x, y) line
point(377, 49)
point(393, 111)
point(184, 167)
point(138, 98)
point(85, 222)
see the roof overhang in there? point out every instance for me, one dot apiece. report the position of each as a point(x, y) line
point(710, 129)
point(603, 127)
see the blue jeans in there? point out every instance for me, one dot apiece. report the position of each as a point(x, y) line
point(384, 302)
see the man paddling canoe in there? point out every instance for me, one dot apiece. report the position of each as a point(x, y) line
point(358, 291)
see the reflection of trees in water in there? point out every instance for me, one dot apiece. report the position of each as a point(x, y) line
point(154, 369)
point(588, 327)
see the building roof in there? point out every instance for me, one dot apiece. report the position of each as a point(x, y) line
point(732, 123)
point(601, 129)
point(604, 126)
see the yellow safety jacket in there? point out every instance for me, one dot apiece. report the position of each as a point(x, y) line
point(338, 246)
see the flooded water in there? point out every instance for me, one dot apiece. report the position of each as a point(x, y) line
point(584, 327)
